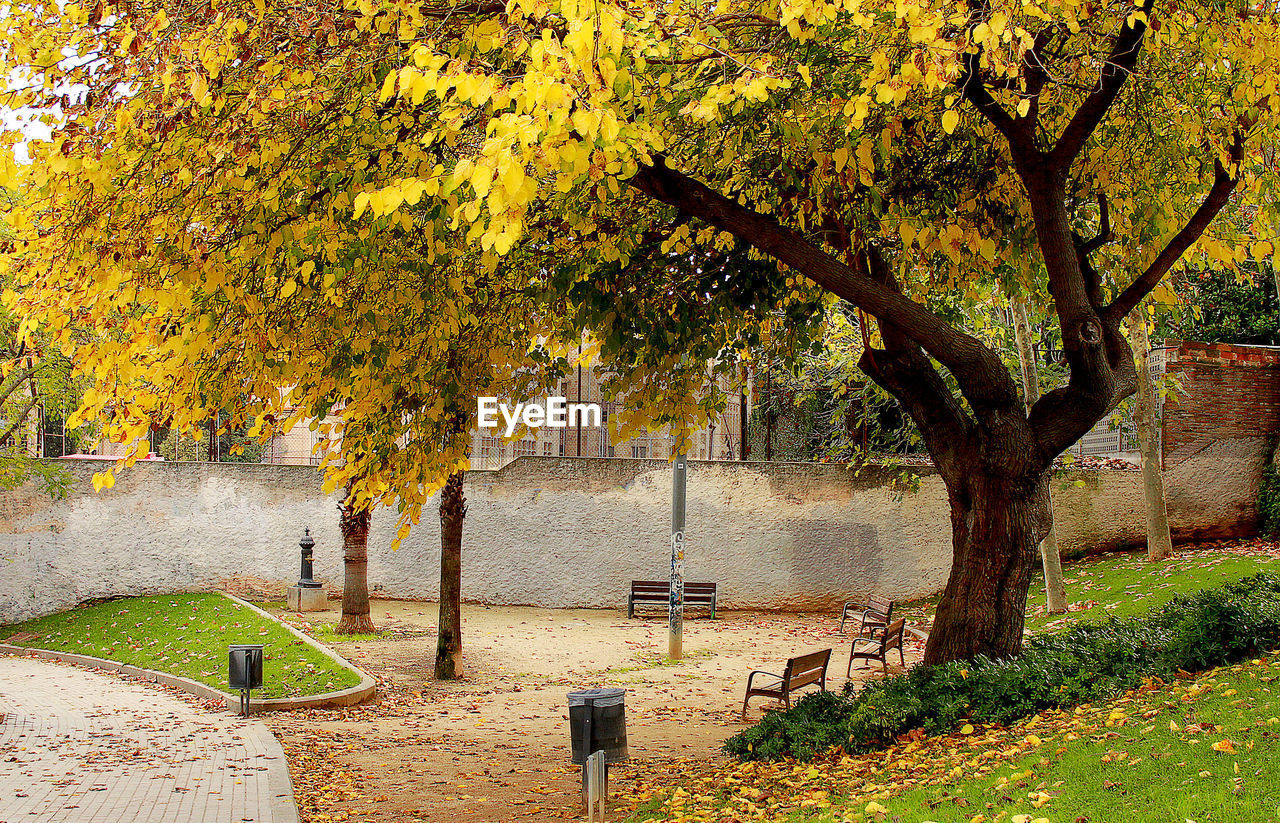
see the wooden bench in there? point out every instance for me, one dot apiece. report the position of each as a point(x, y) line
point(658, 593)
point(872, 616)
point(801, 671)
point(878, 648)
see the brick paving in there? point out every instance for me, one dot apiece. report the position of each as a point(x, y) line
point(81, 747)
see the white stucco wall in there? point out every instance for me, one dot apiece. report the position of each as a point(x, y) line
point(559, 532)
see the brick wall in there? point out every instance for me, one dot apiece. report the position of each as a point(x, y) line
point(1229, 392)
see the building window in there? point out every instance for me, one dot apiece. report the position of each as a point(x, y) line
point(640, 452)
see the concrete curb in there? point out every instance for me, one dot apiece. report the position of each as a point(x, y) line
point(345, 697)
point(186, 685)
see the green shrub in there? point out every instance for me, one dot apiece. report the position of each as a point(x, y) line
point(1269, 501)
point(1082, 664)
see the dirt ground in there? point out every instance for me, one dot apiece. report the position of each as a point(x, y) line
point(495, 745)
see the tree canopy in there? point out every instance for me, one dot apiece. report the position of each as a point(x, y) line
point(251, 194)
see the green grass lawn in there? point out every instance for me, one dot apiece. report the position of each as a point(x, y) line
point(186, 635)
point(1125, 584)
point(1209, 753)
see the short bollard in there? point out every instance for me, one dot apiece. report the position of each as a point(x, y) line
point(244, 671)
point(597, 773)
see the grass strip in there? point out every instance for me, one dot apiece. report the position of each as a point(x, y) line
point(185, 635)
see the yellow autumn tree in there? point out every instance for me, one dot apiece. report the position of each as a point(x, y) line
point(675, 175)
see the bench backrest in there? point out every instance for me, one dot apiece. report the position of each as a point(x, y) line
point(661, 587)
point(884, 607)
point(893, 634)
point(806, 669)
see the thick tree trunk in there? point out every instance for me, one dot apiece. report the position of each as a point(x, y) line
point(1055, 588)
point(453, 509)
point(996, 525)
point(1159, 540)
point(355, 564)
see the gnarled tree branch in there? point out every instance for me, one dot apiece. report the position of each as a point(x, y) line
point(1115, 71)
point(973, 365)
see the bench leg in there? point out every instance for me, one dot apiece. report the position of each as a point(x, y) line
point(744, 705)
point(631, 608)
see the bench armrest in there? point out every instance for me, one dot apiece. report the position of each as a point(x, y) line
point(871, 641)
point(752, 677)
point(868, 631)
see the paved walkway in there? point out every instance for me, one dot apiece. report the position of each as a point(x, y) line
point(81, 747)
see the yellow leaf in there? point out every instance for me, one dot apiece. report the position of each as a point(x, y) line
point(362, 203)
point(967, 728)
point(950, 119)
point(1225, 746)
point(388, 87)
point(840, 157)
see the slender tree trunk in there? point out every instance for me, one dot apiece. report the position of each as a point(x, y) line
point(1159, 541)
point(996, 524)
point(1055, 588)
point(355, 565)
point(453, 509)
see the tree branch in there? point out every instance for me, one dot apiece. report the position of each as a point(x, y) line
point(1064, 415)
point(973, 365)
point(1084, 248)
point(1104, 235)
point(1223, 184)
point(902, 369)
point(16, 379)
point(1115, 71)
point(18, 420)
point(1017, 132)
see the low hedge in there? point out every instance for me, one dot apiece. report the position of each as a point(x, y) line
point(1083, 664)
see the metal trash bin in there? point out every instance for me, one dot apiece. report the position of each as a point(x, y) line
point(244, 671)
point(598, 722)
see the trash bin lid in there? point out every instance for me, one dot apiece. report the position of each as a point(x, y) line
point(599, 697)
